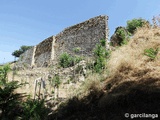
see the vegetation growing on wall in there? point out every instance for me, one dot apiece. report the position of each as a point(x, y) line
point(124, 35)
point(66, 60)
point(132, 84)
point(101, 55)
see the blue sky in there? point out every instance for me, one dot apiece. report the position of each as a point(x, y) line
point(28, 22)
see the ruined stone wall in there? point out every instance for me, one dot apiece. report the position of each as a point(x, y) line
point(26, 58)
point(83, 36)
point(43, 52)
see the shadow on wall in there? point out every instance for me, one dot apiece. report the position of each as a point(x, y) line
point(128, 97)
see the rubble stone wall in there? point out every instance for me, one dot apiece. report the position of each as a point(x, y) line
point(43, 52)
point(26, 58)
point(82, 37)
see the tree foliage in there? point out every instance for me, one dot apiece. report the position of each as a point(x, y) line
point(22, 49)
point(133, 24)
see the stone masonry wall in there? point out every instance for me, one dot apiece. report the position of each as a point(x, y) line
point(83, 36)
point(26, 58)
point(43, 52)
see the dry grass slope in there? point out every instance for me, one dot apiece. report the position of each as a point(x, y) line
point(132, 87)
point(128, 63)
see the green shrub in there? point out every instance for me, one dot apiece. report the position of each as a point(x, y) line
point(101, 55)
point(123, 35)
point(3, 73)
point(99, 51)
point(133, 24)
point(152, 53)
point(11, 104)
point(56, 81)
point(34, 110)
point(9, 100)
point(103, 42)
point(66, 60)
point(77, 49)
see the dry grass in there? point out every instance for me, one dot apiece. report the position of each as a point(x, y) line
point(129, 62)
point(91, 84)
point(133, 85)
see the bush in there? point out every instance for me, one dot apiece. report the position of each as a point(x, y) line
point(9, 100)
point(120, 37)
point(77, 49)
point(123, 35)
point(133, 24)
point(34, 110)
point(66, 60)
point(11, 105)
point(3, 73)
point(103, 42)
point(56, 81)
point(101, 55)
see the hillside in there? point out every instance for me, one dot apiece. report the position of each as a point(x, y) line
point(133, 84)
point(109, 86)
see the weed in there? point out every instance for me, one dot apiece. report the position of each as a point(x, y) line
point(152, 53)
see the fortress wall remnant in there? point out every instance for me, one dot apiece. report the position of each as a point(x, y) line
point(84, 36)
point(43, 52)
point(26, 58)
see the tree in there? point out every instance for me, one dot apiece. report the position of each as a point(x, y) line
point(133, 24)
point(17, 53)
point(22, 49)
